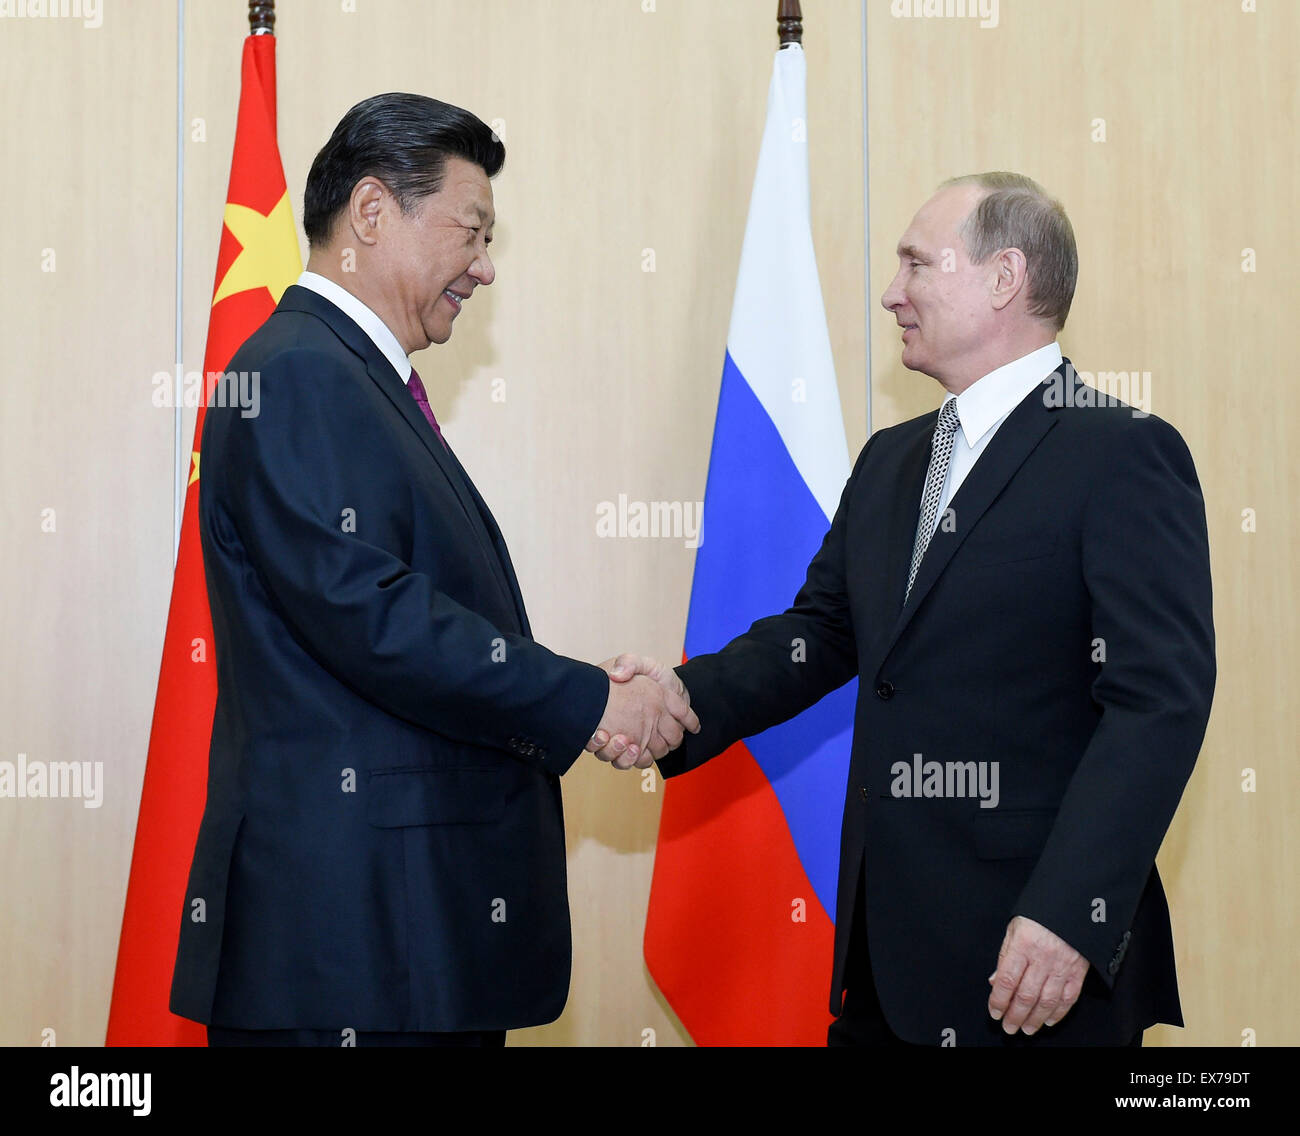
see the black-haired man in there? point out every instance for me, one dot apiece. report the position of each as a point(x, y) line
point(382, 856)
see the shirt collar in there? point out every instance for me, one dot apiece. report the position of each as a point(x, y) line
point(363, 317)
point(988, 400)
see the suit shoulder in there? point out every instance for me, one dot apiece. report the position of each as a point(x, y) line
point(1117, 423)
point(292, 340)
point(885, 438)
point(904, 431)
point(300, 368)
point(1116, 441)
point(291, 379)
point(1092, 409)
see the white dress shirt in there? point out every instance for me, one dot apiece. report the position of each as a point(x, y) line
point(984, 405)
point(366, 319)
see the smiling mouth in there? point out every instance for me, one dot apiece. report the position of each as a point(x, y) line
point(455, 299)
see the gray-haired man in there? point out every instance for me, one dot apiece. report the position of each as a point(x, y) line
point(1021, 581)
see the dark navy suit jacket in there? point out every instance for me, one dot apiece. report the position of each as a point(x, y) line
point(383, 843)
point(1060, 627)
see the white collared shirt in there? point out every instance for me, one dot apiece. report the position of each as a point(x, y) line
point(363, 317)
point(984, 405)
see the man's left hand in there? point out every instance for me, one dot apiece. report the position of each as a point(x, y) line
point(1038, 979)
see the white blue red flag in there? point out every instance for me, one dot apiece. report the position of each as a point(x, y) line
point(740, 931)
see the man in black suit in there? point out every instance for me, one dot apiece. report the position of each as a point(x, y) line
point(381, 858)
point(1021, 581)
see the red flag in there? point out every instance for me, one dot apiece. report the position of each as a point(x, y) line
point(257, 260)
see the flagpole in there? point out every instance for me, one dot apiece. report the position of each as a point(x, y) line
point(789, 22)
point(261, 17)
point(789, 29)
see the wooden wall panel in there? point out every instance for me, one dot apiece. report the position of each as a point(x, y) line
point(87, 144)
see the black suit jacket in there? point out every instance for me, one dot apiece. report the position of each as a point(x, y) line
point(383, 844)
point(1061, 629)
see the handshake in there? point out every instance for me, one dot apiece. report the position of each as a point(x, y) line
point(647, 714)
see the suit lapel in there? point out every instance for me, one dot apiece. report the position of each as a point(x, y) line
point(1005, 454)
point(904, 514)
point(382, 374)
point(475, 511)
point(498, 541)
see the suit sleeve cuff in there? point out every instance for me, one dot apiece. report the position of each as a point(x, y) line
point(577, 714)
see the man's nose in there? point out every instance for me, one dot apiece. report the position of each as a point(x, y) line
point(483, 270)
point(892, 296)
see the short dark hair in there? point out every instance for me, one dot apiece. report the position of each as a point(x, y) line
point(403, 140)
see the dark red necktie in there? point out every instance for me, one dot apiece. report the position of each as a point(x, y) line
point(416, 387)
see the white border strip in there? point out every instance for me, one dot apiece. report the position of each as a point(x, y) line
point(866, 216)
point(181, 459)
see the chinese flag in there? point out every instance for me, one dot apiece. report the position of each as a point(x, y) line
point(257, 260)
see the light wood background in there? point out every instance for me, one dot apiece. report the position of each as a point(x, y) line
point(630, 130)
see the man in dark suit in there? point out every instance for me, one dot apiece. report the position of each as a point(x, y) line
point(1021, 581)
point(381, 858)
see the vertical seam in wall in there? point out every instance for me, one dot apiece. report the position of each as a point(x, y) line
point(866, 217)
point(180, 465)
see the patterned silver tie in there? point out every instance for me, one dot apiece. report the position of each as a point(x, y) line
point(945, 432)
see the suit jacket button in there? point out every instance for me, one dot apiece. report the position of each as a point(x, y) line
point(866, 793)
point(885, 690)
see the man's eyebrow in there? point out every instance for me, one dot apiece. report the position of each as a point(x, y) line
point(482, 215)
point(911, 252)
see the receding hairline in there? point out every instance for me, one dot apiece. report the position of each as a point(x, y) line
point(990, 182)
point(906, 249)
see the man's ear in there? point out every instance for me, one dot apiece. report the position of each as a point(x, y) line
point(366, 203)
point(1011, 273)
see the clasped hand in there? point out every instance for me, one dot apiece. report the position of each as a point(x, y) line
point(647, 714)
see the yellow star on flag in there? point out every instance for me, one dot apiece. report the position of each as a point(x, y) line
point(194, 467)
point(268, 257)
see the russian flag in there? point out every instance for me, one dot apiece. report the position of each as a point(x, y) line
point(740, 927)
